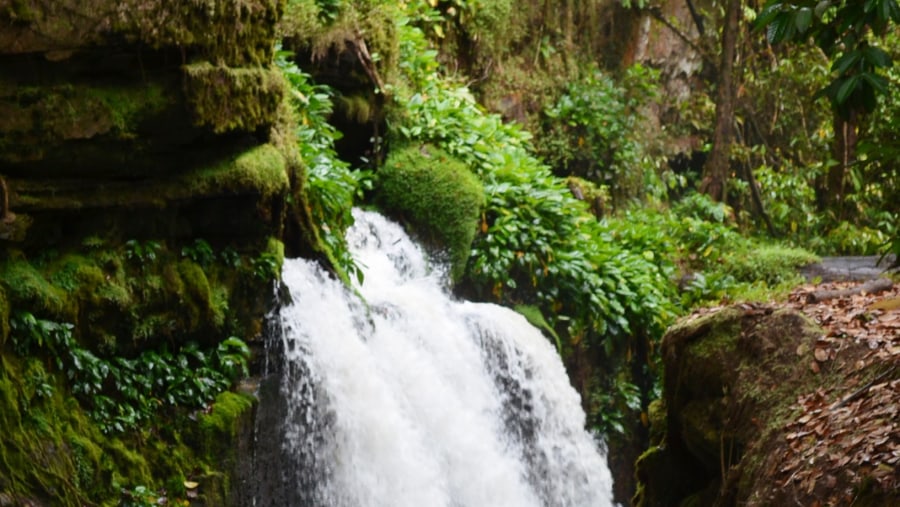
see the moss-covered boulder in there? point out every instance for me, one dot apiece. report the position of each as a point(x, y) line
point(723, 430)
point(437, 195)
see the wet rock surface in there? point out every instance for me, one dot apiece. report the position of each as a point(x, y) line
point(858, 268)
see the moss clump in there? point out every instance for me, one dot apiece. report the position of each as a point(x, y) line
point(38, 423)
point(217, 437)
point(228, 99)
point(4, 317)
point(260, 170)
point(437, 195)
point(196, 296)
point(39, 118)
point(771, 264)
point(26, 287)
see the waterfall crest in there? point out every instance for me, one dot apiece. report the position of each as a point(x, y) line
point(400, 396)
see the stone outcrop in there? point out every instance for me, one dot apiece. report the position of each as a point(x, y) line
point(738, 383)
point(152, 181)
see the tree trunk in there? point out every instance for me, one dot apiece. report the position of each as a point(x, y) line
point(716, 169)
point(4, 200)
point(845, 139)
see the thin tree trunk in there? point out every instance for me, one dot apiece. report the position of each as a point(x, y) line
point(757, 201)
point(716, 169)
point(845, 139)
point(4, 200)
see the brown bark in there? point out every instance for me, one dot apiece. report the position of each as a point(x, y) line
point(716, 169)
point(830, 187)
point(870, 287)
point(4, 200)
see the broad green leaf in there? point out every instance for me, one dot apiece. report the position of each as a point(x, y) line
point(847, 60)
point(803, 19)
point(877, 57)
point(846, 88)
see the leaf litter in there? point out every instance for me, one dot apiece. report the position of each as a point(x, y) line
point(845, 438)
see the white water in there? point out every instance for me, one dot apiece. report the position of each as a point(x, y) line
point(413, 399)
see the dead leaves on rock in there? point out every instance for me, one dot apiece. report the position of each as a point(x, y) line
point(847, 435)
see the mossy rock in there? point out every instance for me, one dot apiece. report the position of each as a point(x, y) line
point(234, 31)
point(257, 171)
point(228, 99)
point(731, 378)
point(437, 195)
point(217, 436)
point(26, 287)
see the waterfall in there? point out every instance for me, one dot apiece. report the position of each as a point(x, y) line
point(397, 395)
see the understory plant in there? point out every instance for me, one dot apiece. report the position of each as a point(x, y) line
point(697, 243)
point(591, 131)
point(331, 185)
point(536, 244)
point(121, 393)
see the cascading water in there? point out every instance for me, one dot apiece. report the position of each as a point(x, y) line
point(399, 396)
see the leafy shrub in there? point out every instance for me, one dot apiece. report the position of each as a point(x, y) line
point(121, 393)
point(200, 252)
point(697, 245)
point(588, 132)
point(330, 184)
point(142, 253)
point(437, 194)
point(537, 244)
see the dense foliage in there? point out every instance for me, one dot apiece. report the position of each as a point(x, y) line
point(330, 184)
point(592, 132)
point(437, 194)
point(123, 393)
point(610, 286)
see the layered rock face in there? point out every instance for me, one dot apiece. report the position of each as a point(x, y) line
point(118, 105)
point(148, 186)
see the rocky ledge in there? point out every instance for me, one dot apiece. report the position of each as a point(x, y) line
point(792, 404)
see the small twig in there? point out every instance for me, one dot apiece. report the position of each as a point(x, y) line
point(862, 390)
point(870, 287)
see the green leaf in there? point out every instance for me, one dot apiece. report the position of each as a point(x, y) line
point(803, 18)
point(847, 60)
point(879, 83)
point(769, 12)
point(877, 57)
point(782, 28)
point(846, 89)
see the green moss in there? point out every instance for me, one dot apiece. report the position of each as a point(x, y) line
point(225, 416)
point(26, 287)
point(21, 10)
point(83, 111)
point(228, 99)
point(260, 170)
point(437, 195)
point(196, 296)
point(34, 455)
point(772, 264)
point(128, 106)
point(275, 248)
point(218, 433)
point(4, 317)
